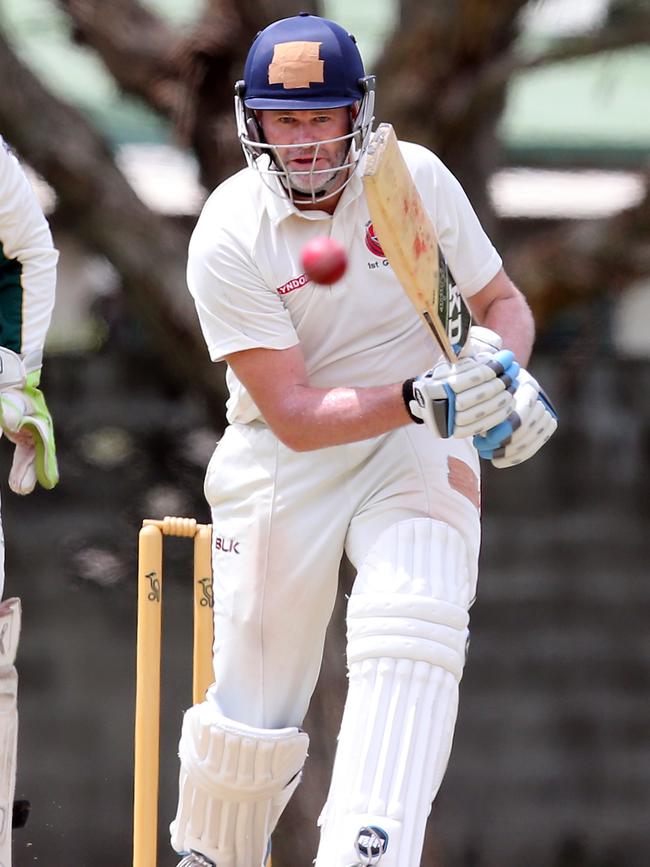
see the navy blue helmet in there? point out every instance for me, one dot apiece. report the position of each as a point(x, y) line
point(303, 62)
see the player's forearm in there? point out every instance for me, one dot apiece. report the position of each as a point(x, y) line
point(315, 418)
point(512, 319)
point(502, 307)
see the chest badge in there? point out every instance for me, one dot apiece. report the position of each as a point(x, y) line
point(372, 242)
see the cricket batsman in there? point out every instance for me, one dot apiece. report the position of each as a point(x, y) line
point(27, 285)
point(348, 432)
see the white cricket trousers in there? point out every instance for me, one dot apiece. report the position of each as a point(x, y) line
point(281, 521)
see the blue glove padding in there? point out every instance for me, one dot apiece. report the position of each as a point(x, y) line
point(532, 422)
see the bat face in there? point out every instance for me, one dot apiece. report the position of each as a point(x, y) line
point(408, 239)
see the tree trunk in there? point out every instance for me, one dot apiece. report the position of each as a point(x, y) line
point(427, 78)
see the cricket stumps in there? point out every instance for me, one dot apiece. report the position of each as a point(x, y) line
point(148, 657)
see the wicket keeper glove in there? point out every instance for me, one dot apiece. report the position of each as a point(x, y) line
point(532, 422)
point(465, 398)
point(26, 421)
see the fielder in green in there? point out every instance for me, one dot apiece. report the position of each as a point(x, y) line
point(27, 286)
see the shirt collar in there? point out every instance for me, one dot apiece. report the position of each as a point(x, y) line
point(279, 207)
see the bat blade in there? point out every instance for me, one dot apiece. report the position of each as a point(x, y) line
point(408, 239)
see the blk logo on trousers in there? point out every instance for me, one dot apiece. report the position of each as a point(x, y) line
point(228, 546)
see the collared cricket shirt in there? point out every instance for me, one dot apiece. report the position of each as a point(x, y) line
point(250, 289)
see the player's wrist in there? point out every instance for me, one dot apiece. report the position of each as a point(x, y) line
point(33, 362)
point(409, 399)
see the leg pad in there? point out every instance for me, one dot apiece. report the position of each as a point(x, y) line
point(10, 616)
point(407, 635)
point(235, 781)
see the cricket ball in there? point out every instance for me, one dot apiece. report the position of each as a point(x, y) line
point(324, 260)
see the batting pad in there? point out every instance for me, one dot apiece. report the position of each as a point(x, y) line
point(9, 635)
point(407, 635)
point(235, 781)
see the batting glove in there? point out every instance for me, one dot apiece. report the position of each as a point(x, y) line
point(26, 421)
point(481, 341)
point(465, 398)
point(532, 422)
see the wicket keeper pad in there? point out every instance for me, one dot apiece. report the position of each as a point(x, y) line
point(10, 612)
point(407, 636)
point(235, 781)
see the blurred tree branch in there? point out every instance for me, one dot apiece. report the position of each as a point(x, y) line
point(431, 65)
point(148, 251)
point(135, 45)
point(502, 70)
point(597, 42)
point(186, 77)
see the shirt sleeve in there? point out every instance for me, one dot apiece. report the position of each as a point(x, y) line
point(28, 261)
point(471, 256)
point(237, 309)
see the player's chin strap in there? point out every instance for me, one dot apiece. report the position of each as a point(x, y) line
point(267, 159)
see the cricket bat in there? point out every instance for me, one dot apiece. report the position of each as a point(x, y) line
point(408, 239)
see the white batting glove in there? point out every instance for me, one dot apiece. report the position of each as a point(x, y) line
point(481, 340)
point(465, 398)
point(532, 422)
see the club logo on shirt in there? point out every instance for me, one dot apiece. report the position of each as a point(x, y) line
point(372, 242)
point(294, 283)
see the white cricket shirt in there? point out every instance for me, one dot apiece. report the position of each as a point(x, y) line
point(27, 264)
point(250, 290)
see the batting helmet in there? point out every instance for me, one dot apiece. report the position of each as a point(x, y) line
point(303, 62)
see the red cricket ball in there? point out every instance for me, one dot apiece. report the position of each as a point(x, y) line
point(324, 260)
